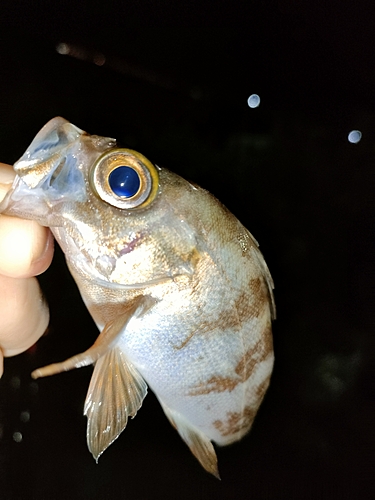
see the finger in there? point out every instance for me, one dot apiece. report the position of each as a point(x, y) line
point(7, 174)
point(23, 312)
point(26, 248)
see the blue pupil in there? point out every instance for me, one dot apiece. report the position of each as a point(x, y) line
point(124, 181)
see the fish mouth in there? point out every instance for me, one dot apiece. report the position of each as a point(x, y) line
point(51, 160)
point(52, 171)
point(136, 286)
point(45, 158)
point(90, 271)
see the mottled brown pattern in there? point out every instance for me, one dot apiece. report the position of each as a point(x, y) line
point(225, 320)
point(214, 384)
point(254, 355)
point(261, 389)
point(258, 289)
point(251, 302)
point(186, 341)
point(243, 369)
point(256, 286)
point(243, 309)
point(236, 422)
point(268, 340)
point(248, 361)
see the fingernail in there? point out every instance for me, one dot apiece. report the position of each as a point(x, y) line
point(4, 188)
point(7, 174)
point(40, 264)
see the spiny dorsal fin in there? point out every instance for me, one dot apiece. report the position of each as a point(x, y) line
point(116, 392)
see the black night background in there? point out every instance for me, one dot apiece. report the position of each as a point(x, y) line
point(171, 79)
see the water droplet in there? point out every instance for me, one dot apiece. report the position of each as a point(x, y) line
point(15, 382)
point(17, 437)
point(25, 416)
point(62, 48)
point(196, 93)
point(99, 59)
point(253, 101)
point(354, 136)
point(34, 388)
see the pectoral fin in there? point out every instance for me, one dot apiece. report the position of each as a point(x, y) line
point(199, 444)
point(116, 392)
point(107, 340)
point(116, 389)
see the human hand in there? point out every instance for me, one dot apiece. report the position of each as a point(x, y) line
point(26, 250)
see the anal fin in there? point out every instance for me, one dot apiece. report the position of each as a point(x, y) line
point(199, 444)
point(116, 392)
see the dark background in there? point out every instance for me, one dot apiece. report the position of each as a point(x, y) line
point(174, 85)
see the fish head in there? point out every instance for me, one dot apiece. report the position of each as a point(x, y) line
point(118, 218)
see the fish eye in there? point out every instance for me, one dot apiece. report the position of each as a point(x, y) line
point(125, 179)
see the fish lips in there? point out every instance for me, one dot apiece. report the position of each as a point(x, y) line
point(53, 170)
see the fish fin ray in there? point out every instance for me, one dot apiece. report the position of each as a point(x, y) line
point(257, 254)
point(108, 337)
point(116, 392)
point(199, 444)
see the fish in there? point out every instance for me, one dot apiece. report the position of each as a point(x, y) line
point(177, 286)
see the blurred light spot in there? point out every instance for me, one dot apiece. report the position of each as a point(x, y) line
point(120, 65)
point(15, 382)
point(17, 437)
point(82, 53)
point(68, 49)
point(253, 101)
point(32, 350)
point(336, 374)
point(62, 48)
point(34, 388)
point(354, 136)
point(99, 59)
point(25, 416)
point(196, 93)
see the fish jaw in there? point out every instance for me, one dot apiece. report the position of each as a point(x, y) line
point(52, 173)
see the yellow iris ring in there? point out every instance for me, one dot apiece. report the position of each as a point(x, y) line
point(147, 172)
